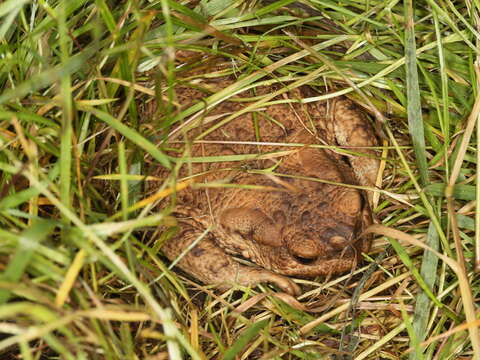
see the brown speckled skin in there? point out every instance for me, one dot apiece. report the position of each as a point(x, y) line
point(302, 228)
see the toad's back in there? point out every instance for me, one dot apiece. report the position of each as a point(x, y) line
point(279, 206)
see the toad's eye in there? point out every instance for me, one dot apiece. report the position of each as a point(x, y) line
point(304, 261)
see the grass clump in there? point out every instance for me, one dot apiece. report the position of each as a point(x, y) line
point(87, 95)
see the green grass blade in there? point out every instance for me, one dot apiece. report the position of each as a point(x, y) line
point(415, 120)
point(83, 81)
point(414, 341)
point(244, 339)
point(418, 277)
point(26, 247)
point(423, 304)
point(9, 11)
point(67, 113)
point(122, 166)
point(460, 191)
point(48, 77)
point(130, 134)
point(107, 16)
point(10, 6)
point(12, 201)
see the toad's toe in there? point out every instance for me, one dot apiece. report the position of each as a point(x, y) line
point(253, 277)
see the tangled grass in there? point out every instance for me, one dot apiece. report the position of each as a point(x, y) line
point(81, 276)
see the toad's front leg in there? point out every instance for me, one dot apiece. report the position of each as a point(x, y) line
point(207, 262)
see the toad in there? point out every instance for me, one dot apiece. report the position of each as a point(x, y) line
point(271, 186)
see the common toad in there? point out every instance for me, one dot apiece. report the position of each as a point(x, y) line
point(286, 212)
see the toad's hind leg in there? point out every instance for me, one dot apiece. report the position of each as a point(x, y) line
point(210, 264)
point(353, 129)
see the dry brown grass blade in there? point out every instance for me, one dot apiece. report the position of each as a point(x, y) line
point(446, 334)
point(465, 290)
point(160, 194)
point(161, 313)
point(128, 84)
point(249, 303)
point(477, 213)
point(237, 88)
point(100, 314)
point(70, 278)
point(107, 57)
point(378, 115)
point(290, 300)
point(472, 120)
point(254, 300)
point(194, 330)
point(308, 327)
point(207, 29)
point(379, 344)
point(381, 171)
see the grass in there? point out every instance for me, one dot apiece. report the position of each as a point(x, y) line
point(81, 276)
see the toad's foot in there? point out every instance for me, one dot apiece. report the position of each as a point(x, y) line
point(211, 265)
point(354, 130)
